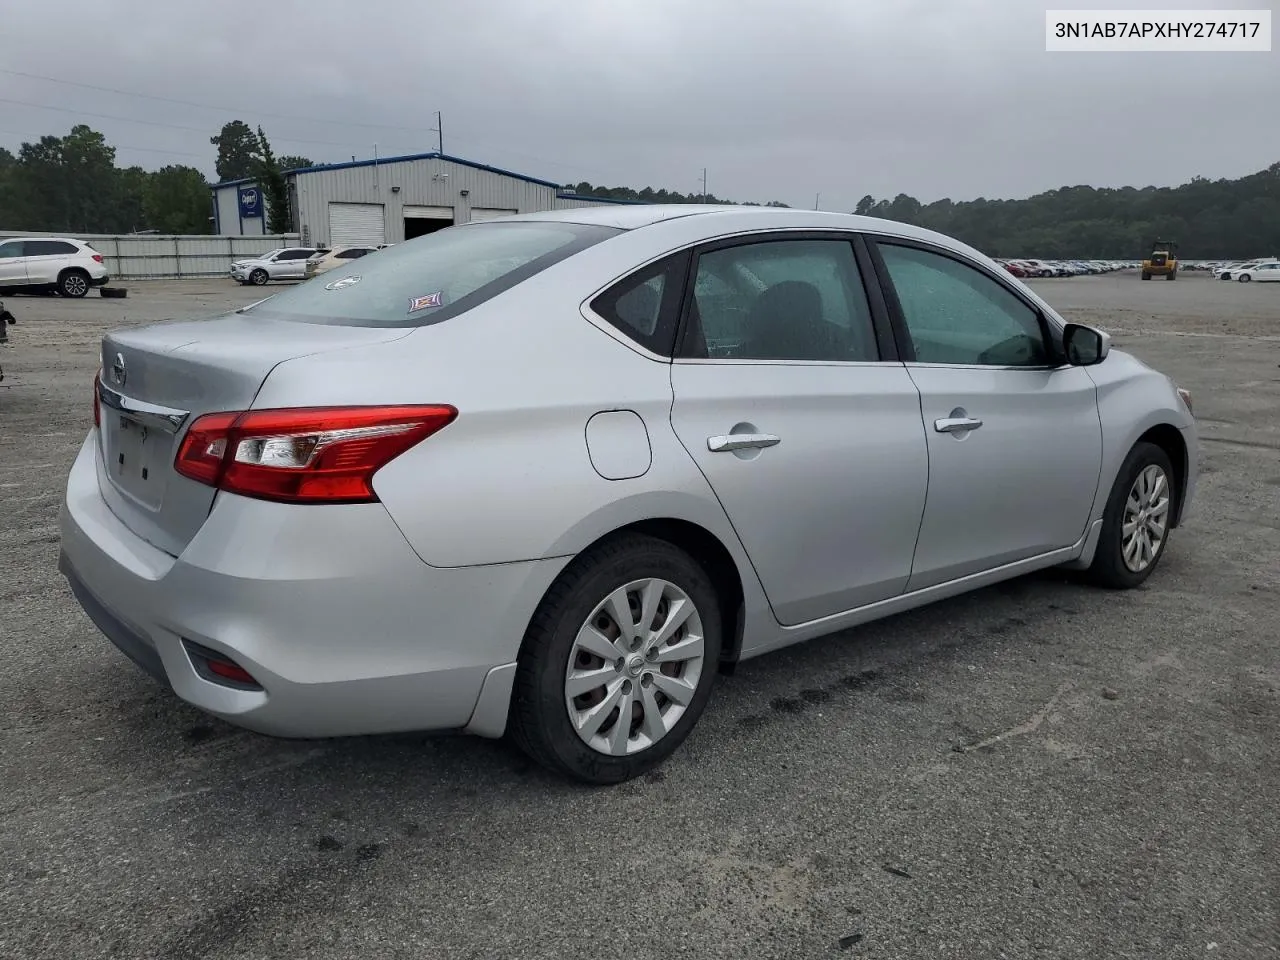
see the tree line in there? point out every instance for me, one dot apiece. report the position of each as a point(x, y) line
point(650, 195)
point(1209, 219)
point(71, 184)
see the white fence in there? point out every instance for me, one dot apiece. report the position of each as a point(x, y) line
point(155, 257)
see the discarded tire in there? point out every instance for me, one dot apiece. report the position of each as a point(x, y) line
point(119, 292)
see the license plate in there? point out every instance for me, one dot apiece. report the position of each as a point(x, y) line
point(131, 459)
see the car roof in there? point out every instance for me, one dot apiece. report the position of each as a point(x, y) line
point(63, 239)
point(726, 218)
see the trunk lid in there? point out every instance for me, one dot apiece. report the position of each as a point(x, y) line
point(157, 380)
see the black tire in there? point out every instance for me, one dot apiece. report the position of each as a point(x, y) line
point(1108, 568)
point(1173, 275)
point(1244, 278)
point(73, 283)
point(540, 723)
point(259, 277)
point(1146, 276)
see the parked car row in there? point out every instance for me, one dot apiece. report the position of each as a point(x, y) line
point(1259, 268)
point(1063, 268)
point(296, 263)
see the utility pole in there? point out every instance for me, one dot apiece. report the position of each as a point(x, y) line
point(704, 184)
point(817, 198)
point(439, 133)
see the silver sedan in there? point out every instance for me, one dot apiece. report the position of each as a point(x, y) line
point(549, 475)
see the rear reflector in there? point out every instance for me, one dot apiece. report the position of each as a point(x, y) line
point(219, 668)
point(230, 671)
point(304, 455)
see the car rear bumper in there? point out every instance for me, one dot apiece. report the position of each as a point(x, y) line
point(346, 630)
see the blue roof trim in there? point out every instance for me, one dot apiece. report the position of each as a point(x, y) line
point(428, 156)
point(578, 196)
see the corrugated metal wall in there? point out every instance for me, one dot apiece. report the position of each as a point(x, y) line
point(430, 182)
point(152, 257)
point(425, 182)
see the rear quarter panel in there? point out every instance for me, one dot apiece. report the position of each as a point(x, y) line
point(511, 478)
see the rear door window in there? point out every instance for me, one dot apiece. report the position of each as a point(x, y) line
point(432, 278)
point(781, 299)
point(49, 248)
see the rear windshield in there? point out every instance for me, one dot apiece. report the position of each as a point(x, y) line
point(433, 277)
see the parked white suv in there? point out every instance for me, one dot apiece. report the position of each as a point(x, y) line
point(31, 264)
point(286, 263)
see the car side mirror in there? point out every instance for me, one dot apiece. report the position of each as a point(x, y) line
point(1085, 346)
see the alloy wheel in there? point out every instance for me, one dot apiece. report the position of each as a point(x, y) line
point(1146, 518)
point(634, 667)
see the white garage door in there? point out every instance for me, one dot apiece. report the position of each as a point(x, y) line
point(412, 212)
point(356, 224)
point(488, 213)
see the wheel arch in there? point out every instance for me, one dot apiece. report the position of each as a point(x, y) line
point(711, 554)
point(1169, 439)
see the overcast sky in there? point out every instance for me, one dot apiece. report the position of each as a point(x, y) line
point(777, 100)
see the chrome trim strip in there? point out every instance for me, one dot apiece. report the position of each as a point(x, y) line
point(165, 419)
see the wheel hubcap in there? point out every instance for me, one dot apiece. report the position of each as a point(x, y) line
point(75, 285)
point(634, 667)
point(1146, 519)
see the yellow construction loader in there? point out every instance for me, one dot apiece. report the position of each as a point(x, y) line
point(1163, 261)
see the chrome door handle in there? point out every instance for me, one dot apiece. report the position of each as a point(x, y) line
point(741, 441)
point(956, 424)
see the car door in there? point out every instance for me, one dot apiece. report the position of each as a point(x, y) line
point(292, 264)
point(809, 435)
point(1268, 272)
point(46, 260)
point(1015, 444)
point(43, 261)
point(13, 265)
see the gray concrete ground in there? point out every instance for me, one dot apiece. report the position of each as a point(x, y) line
point(1125, 805)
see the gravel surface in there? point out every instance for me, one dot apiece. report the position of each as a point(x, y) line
point(1036, 770)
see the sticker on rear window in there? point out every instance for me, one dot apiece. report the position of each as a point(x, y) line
point(424, 303)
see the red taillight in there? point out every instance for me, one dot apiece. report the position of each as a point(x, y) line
point(97, 258)
point(305, 455)
point(97, 404)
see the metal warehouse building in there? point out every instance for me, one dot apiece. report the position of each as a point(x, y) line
point(389, 200)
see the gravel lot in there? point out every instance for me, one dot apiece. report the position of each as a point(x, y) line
point(1120, 799)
